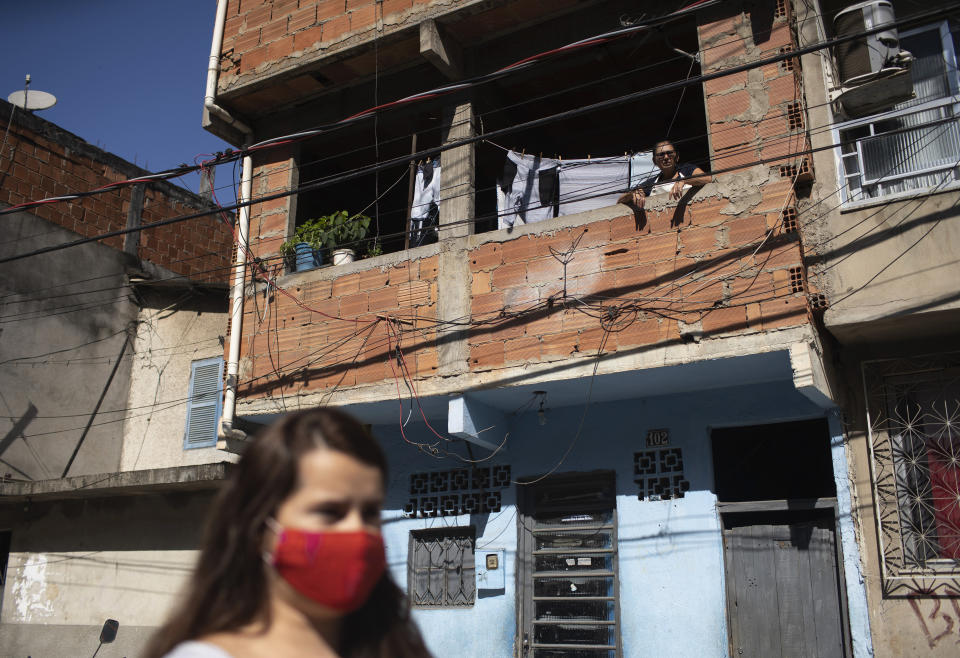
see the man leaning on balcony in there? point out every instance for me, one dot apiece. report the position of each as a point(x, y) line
point(685, 174)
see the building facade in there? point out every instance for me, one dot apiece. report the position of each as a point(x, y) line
point(612, 431)
point(722, 424)
point(880, 241)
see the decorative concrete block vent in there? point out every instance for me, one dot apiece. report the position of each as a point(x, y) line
point(659, 474)
point(459, 491)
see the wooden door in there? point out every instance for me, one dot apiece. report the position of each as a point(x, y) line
point(783, 595)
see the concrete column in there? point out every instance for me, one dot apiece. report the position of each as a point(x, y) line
point(456, 215)
point(456, 188)
point(131, 241)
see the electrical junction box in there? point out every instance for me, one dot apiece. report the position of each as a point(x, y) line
point(491, 569)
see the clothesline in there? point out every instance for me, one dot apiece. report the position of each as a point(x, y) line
point(560, 158)
point(534, 188)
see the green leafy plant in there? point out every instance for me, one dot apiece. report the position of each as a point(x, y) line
point(311, 231)
point(375, 249)
point(328, 232)
point(341, 228)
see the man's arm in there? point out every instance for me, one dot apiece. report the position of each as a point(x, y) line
point(698, 178)
point(634, 197)
point(693, 176)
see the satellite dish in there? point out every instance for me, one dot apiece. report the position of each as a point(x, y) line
point(32, 100)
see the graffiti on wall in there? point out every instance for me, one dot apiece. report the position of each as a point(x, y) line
point(937, 621)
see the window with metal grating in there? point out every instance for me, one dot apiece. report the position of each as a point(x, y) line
point(914, 146)
point(567, 562)
point(203, 405)
point(440, 567)
point(913, 408)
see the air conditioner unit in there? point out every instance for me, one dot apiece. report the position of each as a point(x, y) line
point(874, 73)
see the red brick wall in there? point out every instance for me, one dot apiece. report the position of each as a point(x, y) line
point(47, 161)
point(716, 270)
point(717, 266)
point(258, 32)
point(272, 174)
point(287, 348)
point(749, 113)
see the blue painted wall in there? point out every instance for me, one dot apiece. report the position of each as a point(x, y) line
point(672, 600)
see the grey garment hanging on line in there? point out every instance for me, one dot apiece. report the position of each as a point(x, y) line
point(591, 184)
point(532, 189)
point(530, 194)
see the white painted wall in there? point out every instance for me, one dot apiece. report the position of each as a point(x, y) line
point(168, 341)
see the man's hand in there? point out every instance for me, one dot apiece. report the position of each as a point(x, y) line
point(635, 198)
point(676, 191)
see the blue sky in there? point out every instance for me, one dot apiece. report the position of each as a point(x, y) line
point(129, 76)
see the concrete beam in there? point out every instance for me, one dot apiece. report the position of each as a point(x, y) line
point(100, 485)
point(809, 375)
point(468, 419)
point(440, 50)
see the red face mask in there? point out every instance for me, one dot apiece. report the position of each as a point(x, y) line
point(336, 569)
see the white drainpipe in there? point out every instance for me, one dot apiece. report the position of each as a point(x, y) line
point(213, 70)
point(225, 430)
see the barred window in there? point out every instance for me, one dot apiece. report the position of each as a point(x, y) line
point(915, 145)
point(914, 410)
point(440, 567)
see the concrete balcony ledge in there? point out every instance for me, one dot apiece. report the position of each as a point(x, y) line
point(124, 483)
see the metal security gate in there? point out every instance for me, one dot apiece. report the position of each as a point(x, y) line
point(567, 568)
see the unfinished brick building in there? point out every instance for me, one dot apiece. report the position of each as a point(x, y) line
point(667, 361)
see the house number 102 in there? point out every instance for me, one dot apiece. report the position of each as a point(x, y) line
point(658, 438)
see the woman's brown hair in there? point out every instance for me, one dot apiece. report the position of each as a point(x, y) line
point(230, 590)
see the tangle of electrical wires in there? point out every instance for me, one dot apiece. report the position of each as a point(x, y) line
point(231, 155)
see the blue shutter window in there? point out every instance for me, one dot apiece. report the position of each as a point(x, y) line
point(203, 406)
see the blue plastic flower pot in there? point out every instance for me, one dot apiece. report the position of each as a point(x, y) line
point(307, 258)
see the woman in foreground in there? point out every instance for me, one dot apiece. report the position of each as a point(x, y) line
point(293, 563)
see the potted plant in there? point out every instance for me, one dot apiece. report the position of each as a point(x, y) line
point(303, 250)
point(341, 228)
point(374, 249)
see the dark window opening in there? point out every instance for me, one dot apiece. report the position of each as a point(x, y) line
point(383, 195)
point(564, 83)
point(773, 462)
point(638, 62)
point(5, 537)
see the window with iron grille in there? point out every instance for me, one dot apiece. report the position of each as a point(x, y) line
point(914, 413)
point(916, 145)
point(568, 589)
point(440, 567)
